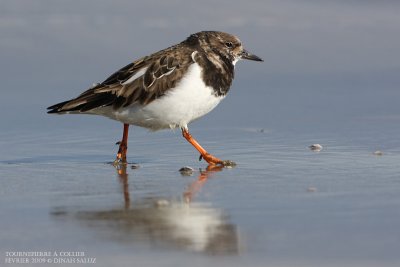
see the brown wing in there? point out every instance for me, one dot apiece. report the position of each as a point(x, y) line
point(158, 77)
point(139, 82)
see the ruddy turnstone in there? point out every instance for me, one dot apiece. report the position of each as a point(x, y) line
point(167, 89)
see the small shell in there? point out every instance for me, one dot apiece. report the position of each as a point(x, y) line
point(316, 147)
point(378, 153)
point(312, 189)
point(186, 171)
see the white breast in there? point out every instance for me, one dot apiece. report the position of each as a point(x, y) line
point(188, 101)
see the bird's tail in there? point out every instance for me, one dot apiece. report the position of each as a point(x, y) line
point(85, 102)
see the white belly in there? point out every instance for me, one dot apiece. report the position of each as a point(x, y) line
point(188, 101)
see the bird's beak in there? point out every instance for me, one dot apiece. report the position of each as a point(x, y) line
point(247, 55)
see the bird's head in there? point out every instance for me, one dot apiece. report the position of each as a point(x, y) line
point(224, 44)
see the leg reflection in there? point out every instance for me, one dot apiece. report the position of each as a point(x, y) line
point(194, 187)
point(123, 178)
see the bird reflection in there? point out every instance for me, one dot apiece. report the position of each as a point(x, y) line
point(176, 222)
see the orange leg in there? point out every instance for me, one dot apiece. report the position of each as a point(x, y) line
point(212, 160)
point(123, 147)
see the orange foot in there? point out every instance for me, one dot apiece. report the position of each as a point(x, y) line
point(212, 160)
point(120, 159)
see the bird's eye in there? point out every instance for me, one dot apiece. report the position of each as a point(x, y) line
point(229, 44)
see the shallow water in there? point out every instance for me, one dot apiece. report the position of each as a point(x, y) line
point(283, 205)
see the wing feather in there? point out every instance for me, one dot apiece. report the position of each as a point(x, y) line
point(141, 81)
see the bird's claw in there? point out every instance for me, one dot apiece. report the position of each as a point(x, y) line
point(118, 162)
point(216, 161)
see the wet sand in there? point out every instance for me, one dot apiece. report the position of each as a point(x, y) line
point(282, 205)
